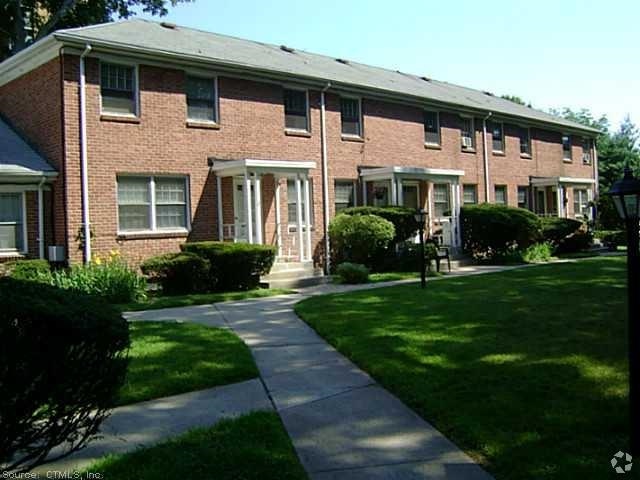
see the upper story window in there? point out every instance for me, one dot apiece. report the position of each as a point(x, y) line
point(467, 133)
point(12, 223)
point(525, 141)
point(523, 197)
point(431, 128)
point(296, 110)
point(201, 99)
point(566, 147)
point(441, 206)
point(497, 137)
point(586, 151)
point(118, 89)
point(344, 194)
point(469, 194)
point(351, 116)
point(500, 194)
point(152, 204)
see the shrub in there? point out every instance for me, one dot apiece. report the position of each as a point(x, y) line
point(179, 272)
point(538, 252)
point(234, 266)
point(607, 217)
point(112, 279)
point(402, 218)
point(490, 230)
point(31, 270)
point(612, 238)
point(360, 238)
point(407, 257)
point(565, 234)
point(353, 273)
point(62, 363)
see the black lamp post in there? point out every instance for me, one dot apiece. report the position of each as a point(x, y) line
point(420, 217)
point(626, 196)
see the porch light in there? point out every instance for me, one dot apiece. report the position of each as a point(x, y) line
point(626, 196)
point(420, 217)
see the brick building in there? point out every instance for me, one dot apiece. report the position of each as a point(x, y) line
point(148, 134)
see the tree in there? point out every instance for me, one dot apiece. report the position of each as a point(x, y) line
point(23, 22)
point(516, 99)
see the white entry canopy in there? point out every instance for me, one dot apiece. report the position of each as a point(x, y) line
point(280, 168)
point(552, 181)
point(443, 175)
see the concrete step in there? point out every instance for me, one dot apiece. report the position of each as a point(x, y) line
point(294, 282)
point(281, 266)
point(293, 273)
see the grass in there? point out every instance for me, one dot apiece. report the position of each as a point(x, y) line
point(254, 446)
point(171, 358)
point(392, 276)
point(526, 370)
point(156, 301)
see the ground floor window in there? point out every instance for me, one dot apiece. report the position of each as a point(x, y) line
point(344, 194)
point(292, 202)
point(470, 194)
point(12, 218)
point(580, 203)
point(156, 203)
point(523, 197)
point(500, 192)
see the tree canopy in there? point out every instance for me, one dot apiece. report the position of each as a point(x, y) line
point(23, 22)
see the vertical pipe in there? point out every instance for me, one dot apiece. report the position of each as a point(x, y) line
point(41, 219)
point(485, 157)
point(299, 218)
point(325, 179)
point(278, 219)
point(257, 207)
point(84, 175)
point(307, 216)
point(219, 202)
point(247, 207)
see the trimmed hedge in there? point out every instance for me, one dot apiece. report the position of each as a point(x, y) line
point(566, 235)
point(233, 266)
point(353, 273)
point(62, 363)
point(182, 272)
point(360, 239)
point(30, 270)
point(489, 230)
point(402, 218)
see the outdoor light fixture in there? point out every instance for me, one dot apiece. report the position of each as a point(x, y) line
point(420, 217)
point(626, 196)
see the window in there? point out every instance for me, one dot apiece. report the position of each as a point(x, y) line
point(292, 202)
point(467, 133)
point(296, 110)
point(586, 151)
point(566, 148)
point(152, 204)
point(441, 200)
point(500, 193)
point(12, 222)
point(525, 141)
point(344, 194)
point(431, 128)
point(118, 89)
point(497, 137)
point(201, 99)
point(469, 194)
point(580, 203)
point(523, 197)
point(351, 116)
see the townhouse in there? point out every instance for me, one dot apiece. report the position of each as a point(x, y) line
point(142, 135)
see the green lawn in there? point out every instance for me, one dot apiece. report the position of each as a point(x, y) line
point(526, 370)
point(254, 446)
point(156, 301)
point(170, 358)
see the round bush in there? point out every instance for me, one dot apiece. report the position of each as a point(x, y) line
point(360, 238)
point(403, 219)
point(566, 235)
point(179, 272)
point(33, 270)
point(353, 273)
point(62, 363)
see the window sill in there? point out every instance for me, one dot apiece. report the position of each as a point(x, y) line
point(294, 228)
point(567, 160)
point(432, 146)
point(292, 132)
point(352, 138)
point(108, 117)
point(152, 235)
point(15, 254)
point(205, 125)
point(498, 153)
point(468, 150)
point(525, 156)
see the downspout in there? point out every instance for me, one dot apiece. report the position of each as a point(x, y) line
point(485, 156)
point(41, 219)
point(86, 226)
point(325, 177)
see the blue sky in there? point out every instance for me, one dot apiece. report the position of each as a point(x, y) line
point(551, 53)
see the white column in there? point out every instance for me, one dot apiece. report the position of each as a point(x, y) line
point(40, 221)
point(400, 192)
point(560, 201)
point(278, 219)
point(247, 207)
point(429, 209)
point(257, 207)
point(219, 202)
point(457, 203)
point(394, 191)
point(364, 192)
point(307, 216)
point(299, 218)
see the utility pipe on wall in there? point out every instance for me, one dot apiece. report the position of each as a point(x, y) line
point(41, 219)
point(485, 156)
point(84, 175)
point(325, 177)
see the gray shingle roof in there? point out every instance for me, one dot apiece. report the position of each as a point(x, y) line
point(181, 41)
point(17, 157)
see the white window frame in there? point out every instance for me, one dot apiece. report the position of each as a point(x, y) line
point(472, 148)
point(506, 194)
point(448, 203)
point(527, 196)
point(152, 205)
point(439, 142)
point(528, 130)
point(293, 200)
point(308, 109)
point(503, 140)
point(475, 193)
point(580, 215)
point(353, 187)
point(216, 98)
point(353, 135)
point(136, 86)
point(570, 157)
point(25, 239)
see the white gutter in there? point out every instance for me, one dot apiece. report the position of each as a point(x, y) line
point(41, 218)
point(86, 226)
point(325, 177)
point(485, 157)
point(595, 169)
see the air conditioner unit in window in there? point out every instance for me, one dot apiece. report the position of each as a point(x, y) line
point(467, 142)
point(586, 158)
point(57, 254)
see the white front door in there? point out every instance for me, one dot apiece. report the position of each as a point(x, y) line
point(239, 211)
